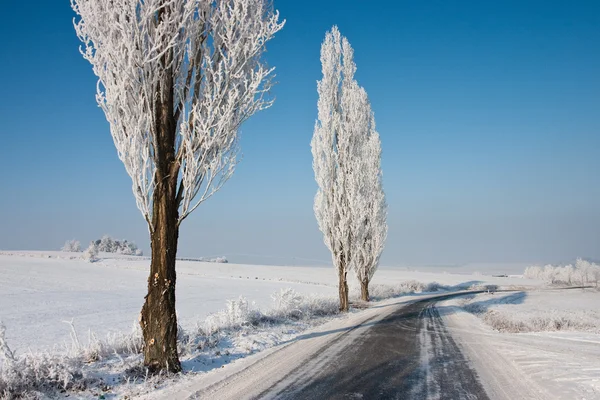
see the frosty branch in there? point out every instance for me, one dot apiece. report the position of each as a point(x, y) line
point(210, 53)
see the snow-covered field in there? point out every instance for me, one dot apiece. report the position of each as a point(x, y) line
point(39, 291)
point(541, 344)
point(38, 294)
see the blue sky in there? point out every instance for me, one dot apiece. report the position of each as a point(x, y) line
point(488, 114)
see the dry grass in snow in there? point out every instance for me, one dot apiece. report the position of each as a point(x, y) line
point(539, 311)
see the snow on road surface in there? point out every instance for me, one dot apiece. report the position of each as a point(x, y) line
point(253, 376)
point(396, 350)
point(558, 364)
point(435, 351)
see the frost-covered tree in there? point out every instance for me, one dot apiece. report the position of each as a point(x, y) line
point(369, 206)
point(533, 272)
point(109, 245)
point(72, 246)
point(331, 159)
point(549, 273)
point(584, 270)
point(346, 161)
point(567, 274)
point(106, 244)
point(595, 273)
point(176, 79)
point(91, 253)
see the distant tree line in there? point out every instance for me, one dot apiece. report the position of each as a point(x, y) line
point(582, 273)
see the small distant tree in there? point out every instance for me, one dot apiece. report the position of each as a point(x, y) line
point(549, 273)
point(109, 245)
point(567, 274)
point(584, 269)
point(106, 244)
point(91, 253)
point(533, 272)
point(595, 273)
point(176, 79)
point(72, 246)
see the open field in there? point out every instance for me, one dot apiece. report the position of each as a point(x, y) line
point(40, 290)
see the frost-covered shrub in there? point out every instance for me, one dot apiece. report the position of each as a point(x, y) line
point(237, 313)
point(26, 375)
point(109, 245)
point(71, 246)
point(91, 253)
point(289, 304)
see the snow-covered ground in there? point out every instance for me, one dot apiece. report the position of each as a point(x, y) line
point(38, 294)
point(39, 291)
point(542, 344)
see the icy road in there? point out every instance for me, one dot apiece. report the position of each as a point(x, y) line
point(404, 352)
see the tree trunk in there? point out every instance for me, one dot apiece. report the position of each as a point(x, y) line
point(158, 318)
point(364, 289)
point(343, 289)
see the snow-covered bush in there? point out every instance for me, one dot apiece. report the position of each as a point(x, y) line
point(30, 374)
point(237, 313)
point(109, 245)
point(91, 253)
point(71, 246)
point(289, 304)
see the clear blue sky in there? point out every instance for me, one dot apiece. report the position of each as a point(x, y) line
point(489, 114)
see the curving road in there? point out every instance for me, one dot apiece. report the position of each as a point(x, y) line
point(407, 354)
